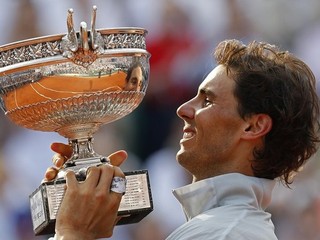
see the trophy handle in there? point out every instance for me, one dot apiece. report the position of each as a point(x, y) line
point(72, 35)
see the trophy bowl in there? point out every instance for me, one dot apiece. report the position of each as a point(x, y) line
point(72, 84)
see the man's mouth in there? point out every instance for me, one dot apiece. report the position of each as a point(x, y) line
point(187, 135)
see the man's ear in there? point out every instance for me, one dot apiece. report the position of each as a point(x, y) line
point(257, 125)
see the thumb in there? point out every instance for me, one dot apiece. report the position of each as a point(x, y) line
point(117, 158)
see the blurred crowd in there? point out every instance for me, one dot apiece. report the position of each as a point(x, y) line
point(181, 38)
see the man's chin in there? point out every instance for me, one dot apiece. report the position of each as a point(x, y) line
point(179, 153)
point(181, 156)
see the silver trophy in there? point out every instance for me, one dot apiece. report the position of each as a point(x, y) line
point(72, 84)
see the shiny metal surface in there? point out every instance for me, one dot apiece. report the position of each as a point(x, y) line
point(72, 83)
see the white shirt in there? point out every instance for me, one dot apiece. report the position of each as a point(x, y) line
point(226, 207)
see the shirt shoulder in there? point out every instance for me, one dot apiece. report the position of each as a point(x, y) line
point(227, 224)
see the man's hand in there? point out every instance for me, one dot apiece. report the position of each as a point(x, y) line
point(89, 209)
point(63, 152)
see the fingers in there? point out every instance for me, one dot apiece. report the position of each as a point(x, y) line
point(93, 177)
point(110, 176)
point(71, 180)
point(58, 160)
point(63, 149)
point(63, 152)
point(106, 175)
point(118, 172)
point(117, 158)
point(50, 174)
point(96, 208)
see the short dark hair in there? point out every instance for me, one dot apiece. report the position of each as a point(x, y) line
point(282, 86)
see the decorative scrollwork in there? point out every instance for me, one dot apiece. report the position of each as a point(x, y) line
point(29, 52)
point(84, 58)
point(82, 48)
point(60, 47)
point(54, 114)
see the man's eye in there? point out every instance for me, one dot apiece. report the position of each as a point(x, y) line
point(207, 102)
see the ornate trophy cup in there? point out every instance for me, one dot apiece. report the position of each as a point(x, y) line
point(72, 84)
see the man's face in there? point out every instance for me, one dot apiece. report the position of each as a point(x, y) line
point(135, 81)
point(212, 127)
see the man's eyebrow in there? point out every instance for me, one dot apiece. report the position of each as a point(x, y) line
point(207, 92)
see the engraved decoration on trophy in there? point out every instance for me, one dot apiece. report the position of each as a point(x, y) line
point(72, 84)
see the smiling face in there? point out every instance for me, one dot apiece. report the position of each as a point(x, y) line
point(211, 143)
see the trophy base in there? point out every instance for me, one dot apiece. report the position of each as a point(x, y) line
point(134, 206)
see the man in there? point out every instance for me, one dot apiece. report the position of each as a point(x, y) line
point(254, 120)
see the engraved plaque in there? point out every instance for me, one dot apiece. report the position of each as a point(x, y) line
point(134, 206)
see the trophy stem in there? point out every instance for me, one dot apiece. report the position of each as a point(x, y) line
point(83, 153)
point(81, 140)
point(83, 156)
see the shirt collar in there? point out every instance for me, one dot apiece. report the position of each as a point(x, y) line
point(232, 188)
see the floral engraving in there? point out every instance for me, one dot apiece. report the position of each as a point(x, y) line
point(61, 47)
